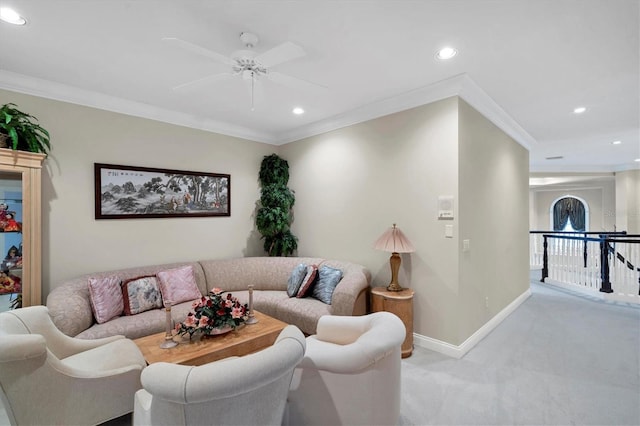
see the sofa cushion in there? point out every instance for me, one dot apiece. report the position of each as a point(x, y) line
point(308, 281)
point(141, 294)
point(264, 273)
point(328, 279)
point(178, 285)
point(295, 280)
point(304, 313)
point(69, 302)
point(106, 298)
point(140, 325)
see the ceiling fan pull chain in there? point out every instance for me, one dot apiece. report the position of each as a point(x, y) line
point(252, 91)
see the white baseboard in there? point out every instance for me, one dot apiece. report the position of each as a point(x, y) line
point(594, 293)
point(461, 350)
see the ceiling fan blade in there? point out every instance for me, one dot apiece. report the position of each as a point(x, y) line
point(293, 82)
point(199, 50)
point(279, 54)
point(192, 85)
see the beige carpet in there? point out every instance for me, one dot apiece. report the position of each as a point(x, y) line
point(560, 359)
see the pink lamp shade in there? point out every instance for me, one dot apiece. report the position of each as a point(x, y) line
point(394, 241)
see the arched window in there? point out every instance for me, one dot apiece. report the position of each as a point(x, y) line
point(569, 214)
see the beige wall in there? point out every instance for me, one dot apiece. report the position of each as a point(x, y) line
point(628, 201)
point(600, 197)
point(75, 243)
point(494, 217)
point(353, 183)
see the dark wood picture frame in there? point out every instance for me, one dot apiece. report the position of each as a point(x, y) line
point(128, 192)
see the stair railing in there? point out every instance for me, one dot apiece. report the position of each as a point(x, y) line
point(608, 262)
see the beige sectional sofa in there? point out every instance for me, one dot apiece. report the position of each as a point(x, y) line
point(70, 307)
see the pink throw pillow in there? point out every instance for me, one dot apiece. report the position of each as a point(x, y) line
point(178, 285)
point(308, 281)
point(106, 298)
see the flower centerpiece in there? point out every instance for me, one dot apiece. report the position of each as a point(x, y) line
point(215, 313)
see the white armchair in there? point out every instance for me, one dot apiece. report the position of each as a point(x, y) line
point(47, 377)
point(248, 390)
point(350, 374)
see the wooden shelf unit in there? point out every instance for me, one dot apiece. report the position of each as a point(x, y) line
point(27, 166)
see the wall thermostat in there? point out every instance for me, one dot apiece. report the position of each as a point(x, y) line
point(445, 207)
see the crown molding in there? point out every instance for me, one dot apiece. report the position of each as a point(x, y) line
point(460, 85)
point(62, 92)
point(594, 168)
point(414, 98)
point(483, 103)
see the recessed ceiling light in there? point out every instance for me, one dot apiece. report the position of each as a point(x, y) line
point(446, 53)
point(298, 111)
point(637, 160)
point(11, 16)
point(579, 110)
point(616, 143)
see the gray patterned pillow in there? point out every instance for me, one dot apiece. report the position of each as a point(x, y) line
point(295, 280)
point(328, 279)
point(141, 294)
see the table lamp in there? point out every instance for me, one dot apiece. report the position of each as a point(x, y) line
point(394, 242)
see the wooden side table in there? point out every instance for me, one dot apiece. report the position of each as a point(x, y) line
point(399, 303)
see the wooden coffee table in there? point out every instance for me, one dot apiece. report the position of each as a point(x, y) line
point(239, 342)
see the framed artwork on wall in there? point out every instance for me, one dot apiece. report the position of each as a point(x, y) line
point(127, 192)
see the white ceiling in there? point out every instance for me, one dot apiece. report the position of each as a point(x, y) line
point(537, 59)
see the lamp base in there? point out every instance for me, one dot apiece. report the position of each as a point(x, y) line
point(394, 260)
point(394, 287)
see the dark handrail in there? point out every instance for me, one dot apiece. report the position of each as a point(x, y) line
point(623, 240)
point(604, 239)
point(583, 232)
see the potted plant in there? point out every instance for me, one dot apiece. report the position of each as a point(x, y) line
point(20, 131)
point(274, 216)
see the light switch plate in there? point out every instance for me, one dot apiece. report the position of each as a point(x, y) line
point(448, 231)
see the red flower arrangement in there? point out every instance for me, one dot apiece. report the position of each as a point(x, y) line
point(213, 313)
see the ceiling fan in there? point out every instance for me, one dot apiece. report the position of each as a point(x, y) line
point(248, 64)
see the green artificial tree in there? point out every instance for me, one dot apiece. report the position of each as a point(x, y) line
point(274, 215)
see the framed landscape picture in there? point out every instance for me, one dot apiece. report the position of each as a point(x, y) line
point(126, 192)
